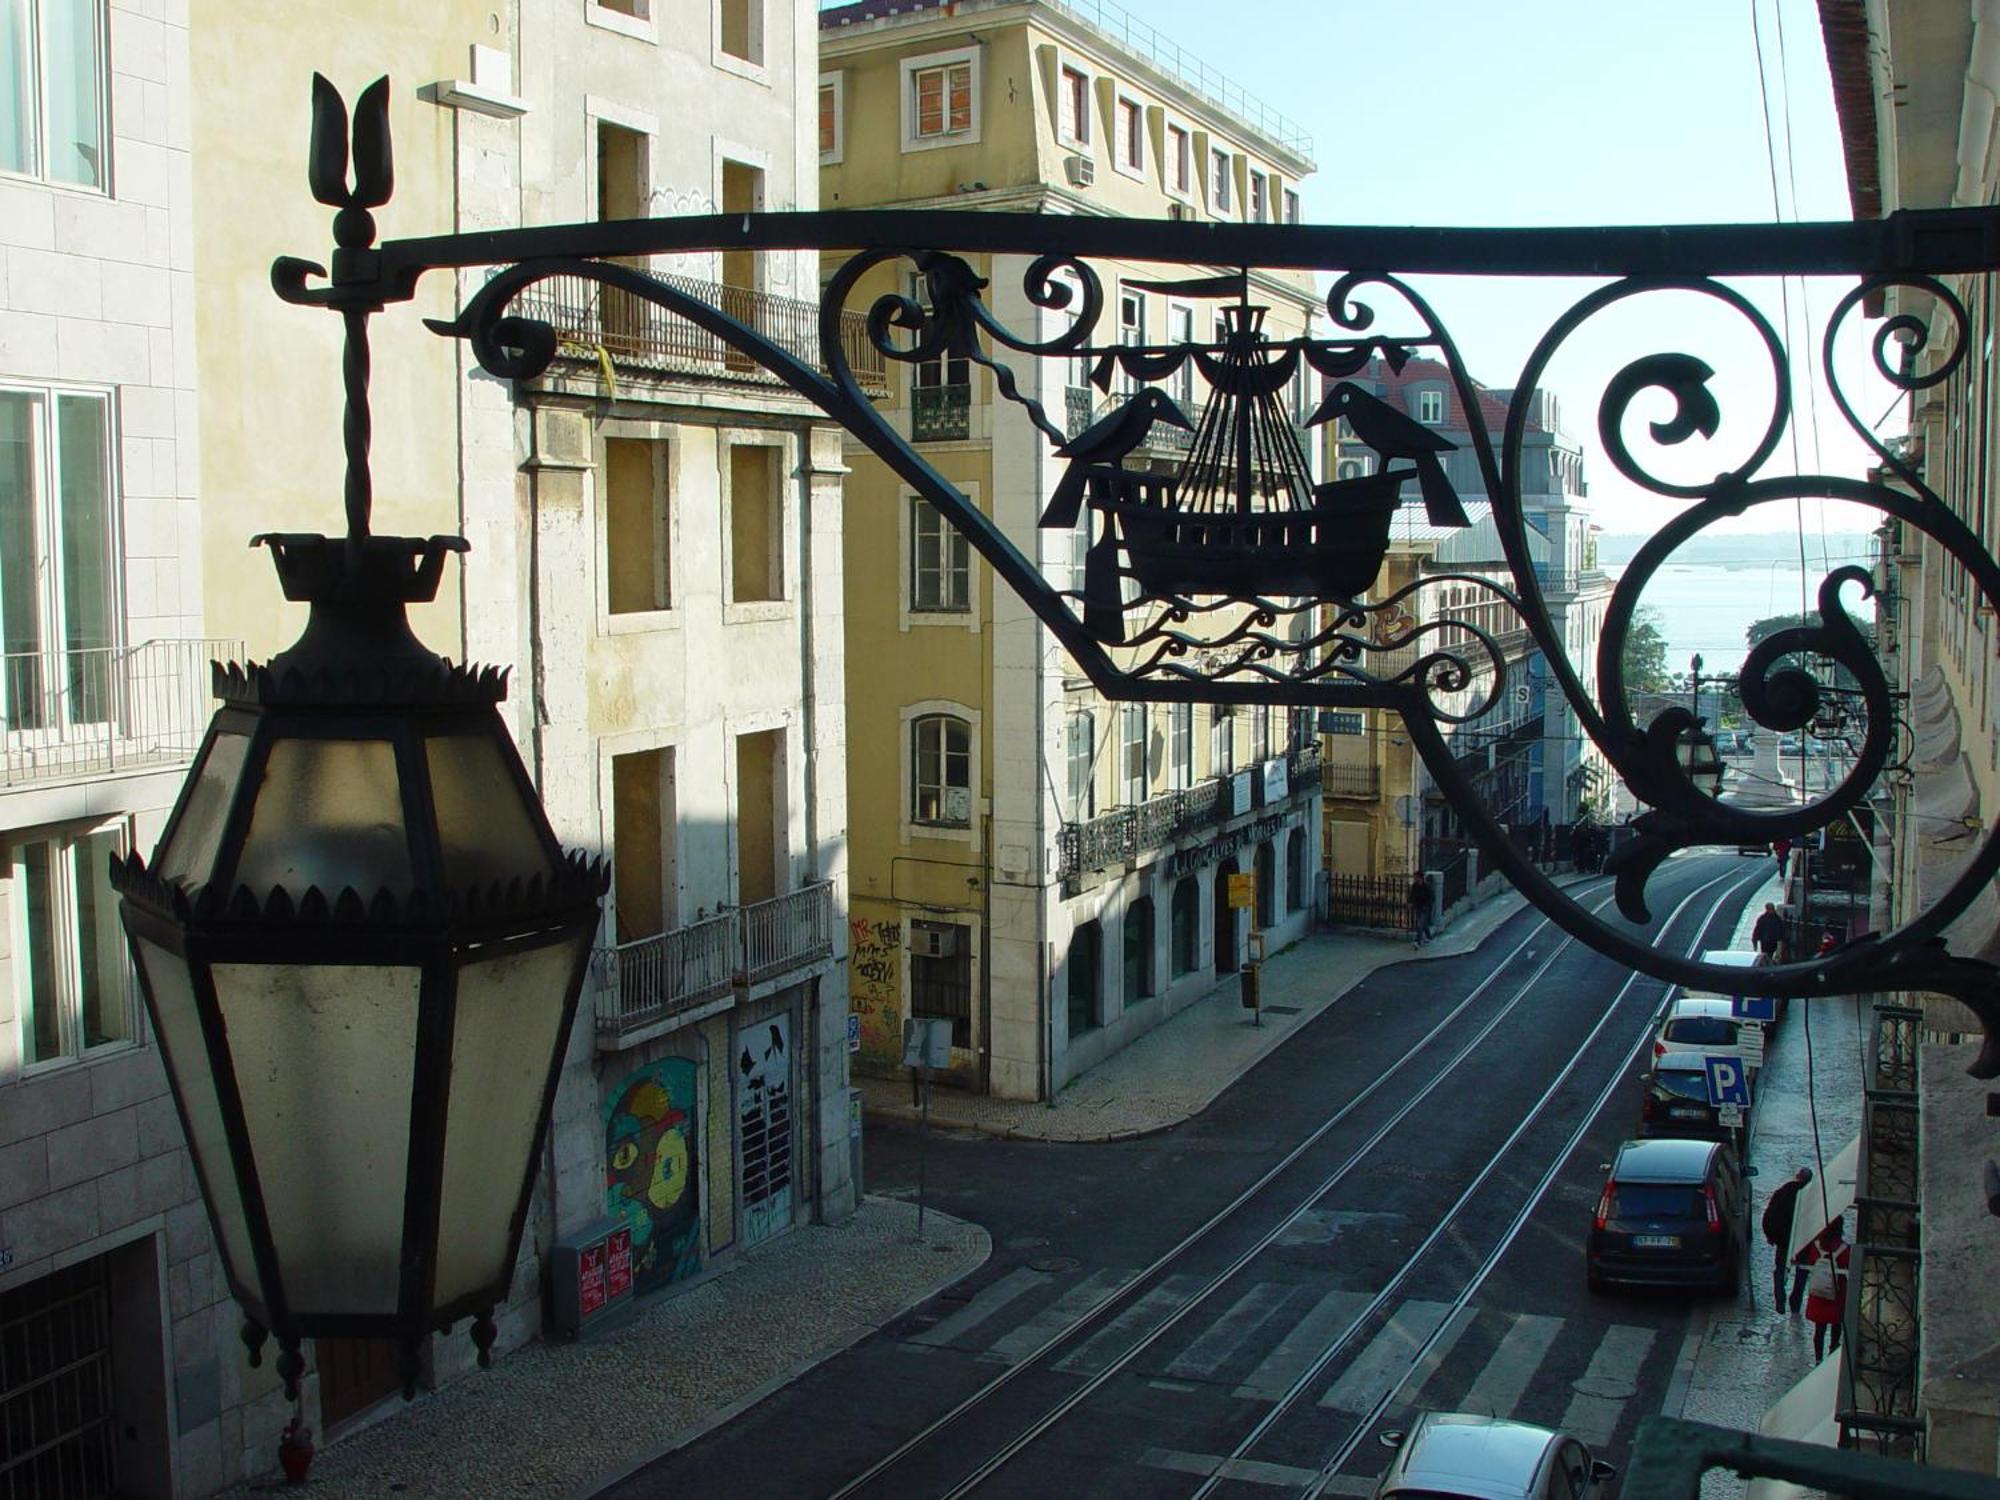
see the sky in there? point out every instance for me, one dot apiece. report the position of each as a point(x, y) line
point(1562, 112)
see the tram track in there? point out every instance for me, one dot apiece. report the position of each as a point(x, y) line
point(898, 1471)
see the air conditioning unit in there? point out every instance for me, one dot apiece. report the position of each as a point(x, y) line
point(1180, 211)
point(933, 940)
point(1081, 169)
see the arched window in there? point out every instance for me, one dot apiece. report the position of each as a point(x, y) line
point(1139, 949)
point(941, 771)
point(1086, 962)
point(1186, 934)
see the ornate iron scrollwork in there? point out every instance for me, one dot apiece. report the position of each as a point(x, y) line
point(1231, 575)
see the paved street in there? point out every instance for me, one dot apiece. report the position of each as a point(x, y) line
point(1438, 1257)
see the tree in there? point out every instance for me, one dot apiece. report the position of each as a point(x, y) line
point(1645, 661)
point(1762, 630)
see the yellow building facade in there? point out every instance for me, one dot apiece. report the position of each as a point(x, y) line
point(1041, 867)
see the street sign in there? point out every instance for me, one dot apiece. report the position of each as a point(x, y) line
point(1730, 1115)
point(1728, 1081)
point(927, 1042)
point(1753, 1007)
point(1242, 891)
point(853, 1031)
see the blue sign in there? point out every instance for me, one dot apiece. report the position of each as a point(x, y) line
point(1753, 1007)
point(1726, 1083)
point(853, 1032)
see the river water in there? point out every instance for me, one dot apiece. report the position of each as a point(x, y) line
point(1706, 607)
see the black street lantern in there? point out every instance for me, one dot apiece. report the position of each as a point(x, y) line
point(1700, 761)
point(361, 948)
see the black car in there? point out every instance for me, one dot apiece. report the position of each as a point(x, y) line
point(1673, 1213)
point(1675, 1103)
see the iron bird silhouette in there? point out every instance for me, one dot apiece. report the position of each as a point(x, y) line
point(1393, 435)
point(1107, 441)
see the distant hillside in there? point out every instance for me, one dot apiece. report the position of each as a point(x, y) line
point(1747, 549)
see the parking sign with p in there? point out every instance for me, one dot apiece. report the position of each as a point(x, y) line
point(1727, 1082)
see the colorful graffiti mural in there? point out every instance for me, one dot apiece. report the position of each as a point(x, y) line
point(874, 984)
point(652, 1175)
point(764, 1116)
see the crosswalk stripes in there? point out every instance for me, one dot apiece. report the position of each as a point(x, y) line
point(985, 1304)
point(1435, 1356)
point(1611, 1380)
point(1498, 1390)
point(1029, 1336)
point(1299, 1348)
point(1097, 1352)
point(1387, 1354)
point(1243, 1321)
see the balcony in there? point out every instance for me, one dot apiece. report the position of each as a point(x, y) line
point(588, 316)
point(1356, 783)
point(1121, 835)
point(65, 715)
point(940, 413)
point(1078, 405)
point(650, 986)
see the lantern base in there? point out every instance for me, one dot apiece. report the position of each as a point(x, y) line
point(359, 589)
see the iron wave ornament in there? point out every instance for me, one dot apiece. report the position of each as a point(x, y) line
point(1233, 578)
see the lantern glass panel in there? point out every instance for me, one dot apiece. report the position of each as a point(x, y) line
point(329, 814)
point(503, 1037)
point(177, 1025)
point(325, 1057)
point(484, 827)
point(189, 851)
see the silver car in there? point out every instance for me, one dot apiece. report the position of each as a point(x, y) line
point(1457, 1456)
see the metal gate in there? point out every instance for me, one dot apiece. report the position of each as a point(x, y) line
point(764, 1125)
point(56, 1406)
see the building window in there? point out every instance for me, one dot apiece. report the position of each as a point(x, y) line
point(941, 101)
point(638, 527)
point(1218, 181)
point(52, 91)
point(1132, 753)
point(1180, 332)
point(742, 23)
point(1221, 741)
point(1086, 963)
point(1131, 141)
point(1181, 752)
point(1291, 206)
point(1138, 950)
point(1430, 407)
point(1073, 107)
point(1180, 160)
point(1131, 331)
point(941, 977)
point(645, 871)
point(1082, 759)
point(59, 553)
point(1185, 938)
point(1295, 871)
point(756, 525)
point(941, 771)
point(940, 562)
point(1260, 197)
point(1260, 732)
point(70, 962)
point(1266, 866)
point(832, 135)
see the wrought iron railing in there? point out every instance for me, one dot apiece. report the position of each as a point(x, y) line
point(65, 714)
point(1368, 901)
point(1123, 833)
point(940, 413)
point(1339, 780)
point(587, 316)
point(1882, 1353)
point(1077, 408)
point(1304, 766)
point(654, 979)
point(1898, 1030)
point(787, 932)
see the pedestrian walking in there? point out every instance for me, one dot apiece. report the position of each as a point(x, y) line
point(1827, 1258)
point(1421, 904)
point(1778, 1215)
point(1783, 850)
point(1829, 941)
point(1768, 935)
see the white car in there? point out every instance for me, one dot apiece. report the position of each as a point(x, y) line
point(1458, 1456)
point(1706, 1026)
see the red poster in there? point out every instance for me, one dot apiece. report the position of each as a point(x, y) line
point(618, 1274)
point(590, 1281)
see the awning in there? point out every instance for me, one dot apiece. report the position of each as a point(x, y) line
point(1807, 1413)
point(1813, 1212)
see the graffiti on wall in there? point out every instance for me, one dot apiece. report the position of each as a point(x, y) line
point(652, 1178)
point(764, 1118)
point(874, 984)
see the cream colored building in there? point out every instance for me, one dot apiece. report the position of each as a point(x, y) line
point(1042, 867)
point(656, 557)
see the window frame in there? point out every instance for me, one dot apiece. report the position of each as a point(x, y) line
point(783, 519)
point(608, 17)
point(920, 517)
point(942, 753)
point(1257, 201)
point(1080, 762)
point(1292, 207)
point(1221, 169)
point(665, 443)
point(1430, 408)
point(757, 67)
point(836, 84)
point(1180, 746)
point(1128, 110)
point(1176, 154)
point(38, 111)
point(1135, 780)
point(71, 1047)
point(1076, 86)
point(910, 68)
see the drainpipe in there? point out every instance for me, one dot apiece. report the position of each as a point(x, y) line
point(986, 959)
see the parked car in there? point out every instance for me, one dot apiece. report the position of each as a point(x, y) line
point(1460, 1456)
point(1705, 1025)
point(1673, 1213)
point(1675, 1103)
point(1738, 958)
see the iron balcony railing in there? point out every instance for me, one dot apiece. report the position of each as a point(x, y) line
point(1077, 407)
point(1123, 833)
point(787, 932)
point(940, 413)
point(654, 979)
point(1337, 780)
point(588, 316)
point(68, 714)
